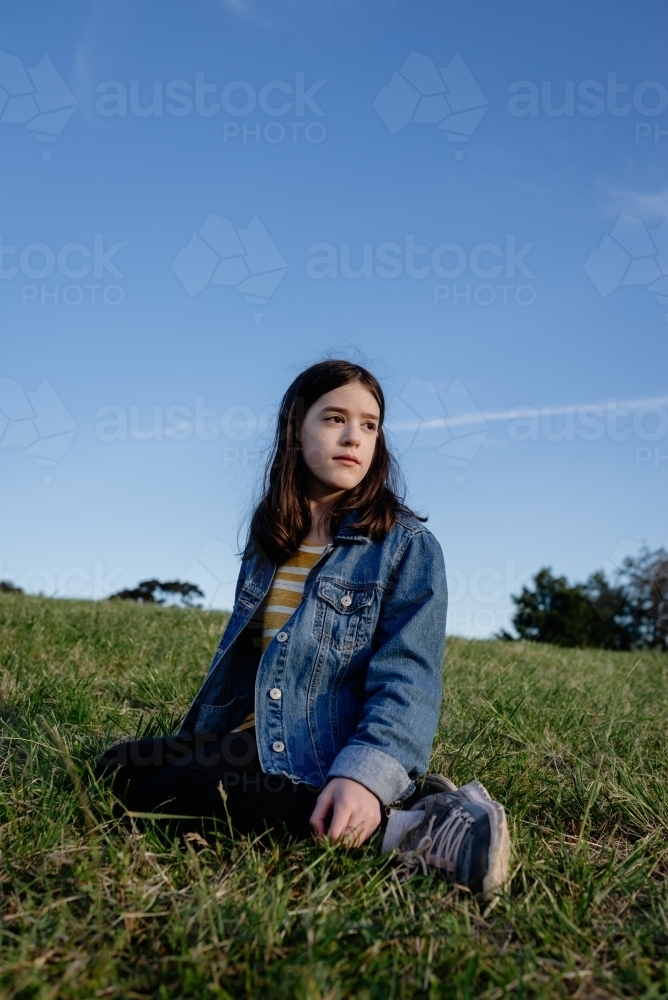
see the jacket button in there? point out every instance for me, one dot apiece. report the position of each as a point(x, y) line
point(278, 747)
point(281, 637)
point(275, 693)
point(346, 600)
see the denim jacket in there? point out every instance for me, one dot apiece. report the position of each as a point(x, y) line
point(351, 686)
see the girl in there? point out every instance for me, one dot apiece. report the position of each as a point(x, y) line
point(321, 705)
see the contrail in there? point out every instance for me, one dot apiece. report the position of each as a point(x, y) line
point(478, 418)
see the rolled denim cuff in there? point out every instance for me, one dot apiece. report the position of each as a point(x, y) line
point(377, 771)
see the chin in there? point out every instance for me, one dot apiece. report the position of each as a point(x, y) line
point(348, 484)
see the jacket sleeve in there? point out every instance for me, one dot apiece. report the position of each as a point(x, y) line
point(403, 688)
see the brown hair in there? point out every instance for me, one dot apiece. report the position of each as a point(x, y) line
point(282, 518)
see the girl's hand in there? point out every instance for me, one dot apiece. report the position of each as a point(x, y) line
point(355, 811)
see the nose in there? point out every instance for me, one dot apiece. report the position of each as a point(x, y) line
point(351, 434)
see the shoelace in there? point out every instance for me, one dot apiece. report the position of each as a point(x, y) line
point(445, 842)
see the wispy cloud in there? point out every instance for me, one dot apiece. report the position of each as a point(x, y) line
point(245, 9)
point(654, 203)
point(496, 416)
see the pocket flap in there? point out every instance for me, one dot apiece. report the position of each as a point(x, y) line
point(346, 598)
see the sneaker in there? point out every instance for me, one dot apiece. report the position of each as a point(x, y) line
point(432, 784)
point(462, 833)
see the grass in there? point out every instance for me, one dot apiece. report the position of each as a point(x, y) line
point(573, 742)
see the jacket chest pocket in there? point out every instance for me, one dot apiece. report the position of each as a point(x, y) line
point(343, 614)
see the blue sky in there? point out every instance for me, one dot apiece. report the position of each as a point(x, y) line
point(189, 192)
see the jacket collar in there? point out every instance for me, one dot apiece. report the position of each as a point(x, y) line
point(345, 532)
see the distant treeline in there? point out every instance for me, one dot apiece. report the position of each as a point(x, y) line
point(155, 592)
point(172, 592)
point(628, 612)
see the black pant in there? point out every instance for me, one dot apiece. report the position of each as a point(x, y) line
point(181, 775)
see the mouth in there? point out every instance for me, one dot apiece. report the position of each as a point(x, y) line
point(347, 459)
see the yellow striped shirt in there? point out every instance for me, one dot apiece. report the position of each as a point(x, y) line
point(281, 602)
point(285, 593)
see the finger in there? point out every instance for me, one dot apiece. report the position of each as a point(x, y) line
point(353, 835)
point(358, 832)
point(322, 809)
point(340, 820)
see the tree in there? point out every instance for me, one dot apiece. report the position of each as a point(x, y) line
point(154, 592)
point(629, 613)
point(645, 581)
point(566, 615)
point(8, 588)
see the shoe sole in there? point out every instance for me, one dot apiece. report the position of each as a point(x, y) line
point(498, 859)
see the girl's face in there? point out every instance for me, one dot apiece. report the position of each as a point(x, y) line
point(339, 435)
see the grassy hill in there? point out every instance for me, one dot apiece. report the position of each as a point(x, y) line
point(573, 742)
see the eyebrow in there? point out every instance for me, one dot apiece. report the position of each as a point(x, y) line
point(343, 409)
